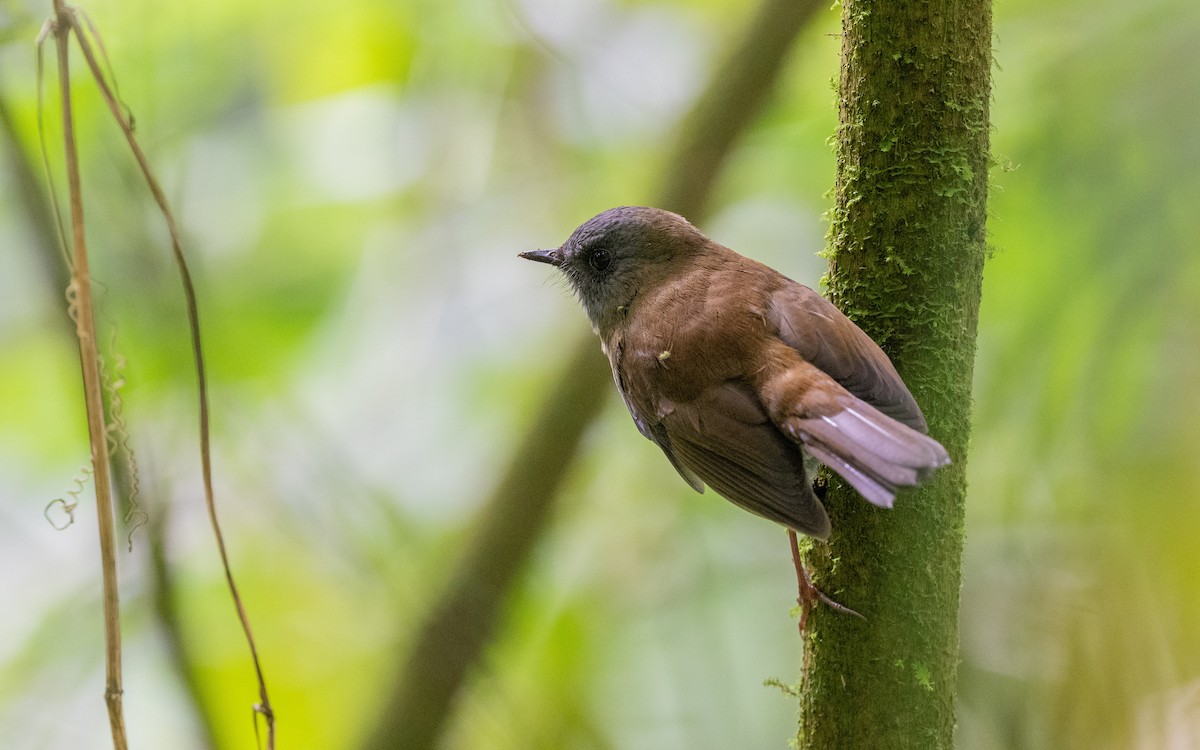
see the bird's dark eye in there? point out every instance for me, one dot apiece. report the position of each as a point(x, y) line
point(599, 259)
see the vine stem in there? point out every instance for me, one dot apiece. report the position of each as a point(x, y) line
point(66, 20)
point(89, 356)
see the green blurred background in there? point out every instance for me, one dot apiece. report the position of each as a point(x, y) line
point(355, 179)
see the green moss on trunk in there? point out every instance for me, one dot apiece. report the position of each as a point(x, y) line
point(906, 261)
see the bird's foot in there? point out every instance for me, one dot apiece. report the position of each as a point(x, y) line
point(810, 594)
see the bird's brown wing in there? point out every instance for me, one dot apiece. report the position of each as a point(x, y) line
point(725, 438)
point(810, 324)
point(651, 430)
point(657, 434)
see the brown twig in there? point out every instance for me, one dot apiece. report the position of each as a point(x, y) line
point(189, 292)
point(66, 21)
point(80, 294)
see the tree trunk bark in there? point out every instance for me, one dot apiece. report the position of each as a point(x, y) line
point(907, 249)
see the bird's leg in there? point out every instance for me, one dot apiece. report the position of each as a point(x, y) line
point(808, 592)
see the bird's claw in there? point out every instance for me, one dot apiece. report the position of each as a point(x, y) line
point(809, 593)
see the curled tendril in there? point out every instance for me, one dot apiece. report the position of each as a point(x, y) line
point(116, 433)
point(72, 295)
point(68, 506)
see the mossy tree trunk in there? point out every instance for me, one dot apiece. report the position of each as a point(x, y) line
point(907, 251)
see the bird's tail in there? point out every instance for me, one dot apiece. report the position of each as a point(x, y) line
point(873, 452)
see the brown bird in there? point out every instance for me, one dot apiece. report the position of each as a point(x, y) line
point(731, 368)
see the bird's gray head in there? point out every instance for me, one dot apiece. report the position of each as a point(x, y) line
point(614, 254)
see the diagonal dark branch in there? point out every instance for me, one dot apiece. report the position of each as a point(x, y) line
point(165, 602)
point(729, 105)
point(463, 619)
point(31, 196)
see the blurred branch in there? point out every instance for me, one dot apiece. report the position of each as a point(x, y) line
point(464, 617)
point(736, 93)
point(164, 601)
point(36, 206)
point(166, 610)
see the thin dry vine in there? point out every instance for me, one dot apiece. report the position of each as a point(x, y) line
point(66, 22)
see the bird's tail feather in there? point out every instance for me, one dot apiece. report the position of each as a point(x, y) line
point(870, 450)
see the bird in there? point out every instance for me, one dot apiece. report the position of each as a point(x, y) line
point(735, 371)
